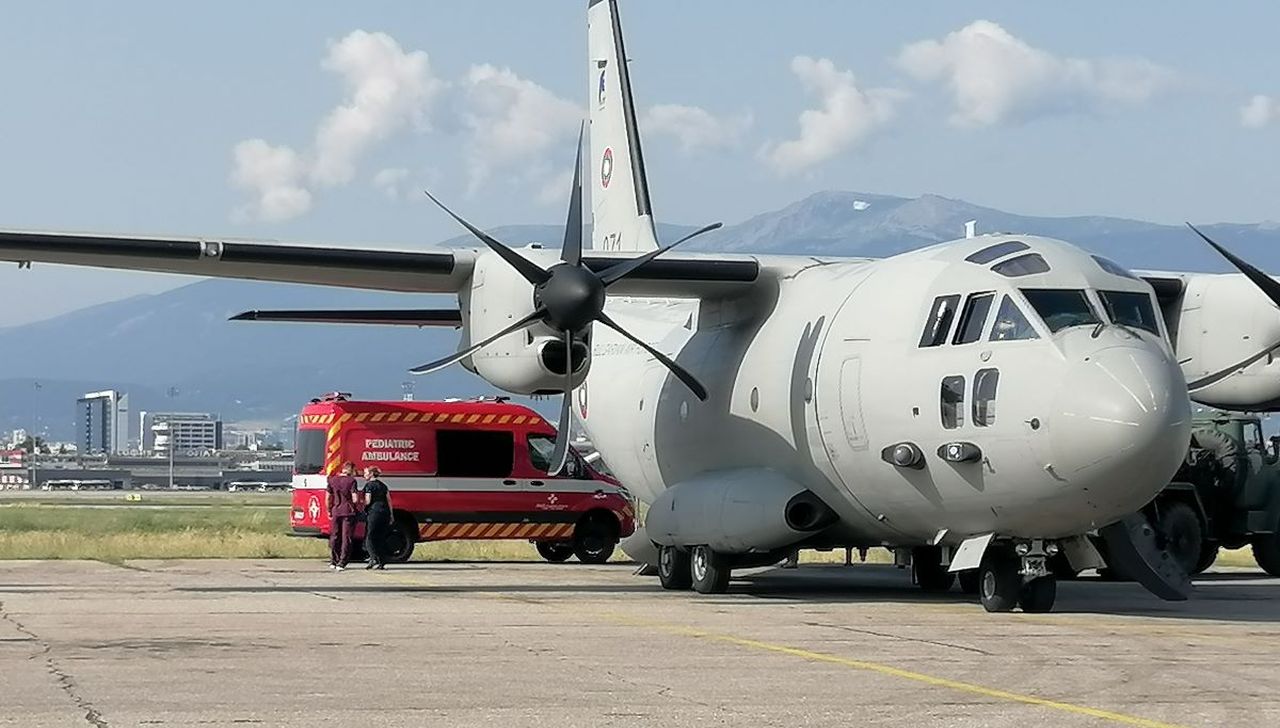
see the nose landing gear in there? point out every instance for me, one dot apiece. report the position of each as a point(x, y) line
point(1011, 577)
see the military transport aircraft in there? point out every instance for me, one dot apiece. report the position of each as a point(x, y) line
point(980, 405)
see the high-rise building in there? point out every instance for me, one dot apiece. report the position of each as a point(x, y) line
point(189, 432)
point(102, 419)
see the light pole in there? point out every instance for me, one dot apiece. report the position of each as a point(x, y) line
point(35, 395)
point(173, 439)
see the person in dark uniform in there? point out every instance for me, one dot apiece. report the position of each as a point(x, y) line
point(378, 518)
point(340, 500)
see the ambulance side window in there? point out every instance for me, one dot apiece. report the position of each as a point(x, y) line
point(541, 447)
point(474, 454)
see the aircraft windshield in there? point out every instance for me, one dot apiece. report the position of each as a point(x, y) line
point(1061, 307)
point(1130, 308)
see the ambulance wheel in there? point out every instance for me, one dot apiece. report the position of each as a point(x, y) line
point(554, 551)
point(401, 541)
point(1039, 594)
point(594, 541)
point(969, 581)
point(673, 568)
point(999, 583)
point(709, 571)
point(927, 569)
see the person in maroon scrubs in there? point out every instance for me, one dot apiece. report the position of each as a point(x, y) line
point(340, 499)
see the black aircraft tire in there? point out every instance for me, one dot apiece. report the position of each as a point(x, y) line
point(1266, 551)
point(709, 571)
point(999, 583)
point(554, 551)
point(927, 569)
point(1181, 534)
point(969, 581)
point(1038, 595)
point(673, 568)
point(1208, 555)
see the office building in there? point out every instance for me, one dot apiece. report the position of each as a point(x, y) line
point(192, 433)
point(102, 421)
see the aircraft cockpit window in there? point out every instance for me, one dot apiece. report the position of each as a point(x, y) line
point(1113, 267)
point(974, 318)
point(1011, 323)
point(999, 250)
point(985, 383)
point(1023, 265)
point(1061, 307)
point(1130, 308)
point(952, 402)
point(940, 318)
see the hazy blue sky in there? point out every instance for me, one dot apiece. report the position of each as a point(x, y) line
point(127, 116)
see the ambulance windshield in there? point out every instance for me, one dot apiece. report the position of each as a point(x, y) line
point(308, 458)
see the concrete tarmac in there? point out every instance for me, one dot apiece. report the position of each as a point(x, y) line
point(290, 643)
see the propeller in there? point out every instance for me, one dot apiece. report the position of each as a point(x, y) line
point(1269, 287)
point(569, 297)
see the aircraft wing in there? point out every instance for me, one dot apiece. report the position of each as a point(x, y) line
point(383, 270)
point(437, 271)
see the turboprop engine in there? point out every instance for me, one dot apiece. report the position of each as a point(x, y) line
point(737, 512)
point(1227, 343)
point(532, 361)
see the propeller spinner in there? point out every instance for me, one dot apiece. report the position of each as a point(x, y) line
point(568, 297)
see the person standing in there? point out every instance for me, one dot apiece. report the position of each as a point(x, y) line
point(340, 500)
point(378, 518)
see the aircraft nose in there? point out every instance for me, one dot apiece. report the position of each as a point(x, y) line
point(1121, 424)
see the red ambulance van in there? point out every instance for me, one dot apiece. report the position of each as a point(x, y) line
point(472, 469)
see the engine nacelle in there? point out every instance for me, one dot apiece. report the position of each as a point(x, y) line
point(526, 362)
point(1225, 320)
point(737, 512)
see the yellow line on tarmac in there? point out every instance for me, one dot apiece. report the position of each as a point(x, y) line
point(895, 672)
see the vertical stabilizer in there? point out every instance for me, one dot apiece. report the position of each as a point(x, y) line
point(622, 216)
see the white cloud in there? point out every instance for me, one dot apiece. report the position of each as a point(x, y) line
point(511, 119)
point(391, 182)
point(274, 176)
point(694, 127)
point(994, 76)
point(554, 189)
point(1259, 112)
point(846, 117)
point(388, 90)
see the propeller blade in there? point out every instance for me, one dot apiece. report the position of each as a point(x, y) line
point(571, 251)
point(622, 270)
point(1268, 284)
point(530, 270)
point(681, 373)
point(458, 356)
point(561, 453)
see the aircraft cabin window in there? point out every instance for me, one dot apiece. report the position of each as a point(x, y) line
point(999, 250)
point(952, 402)
point(1061, 307)
point(1113, 267)
point(1131, 308)
point(1011, 323)
point(974, 318)
point(1023, 265)
point(985, 383)
point(940, 317)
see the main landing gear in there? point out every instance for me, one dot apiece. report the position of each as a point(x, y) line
point(699, 567)
point(1011, 577)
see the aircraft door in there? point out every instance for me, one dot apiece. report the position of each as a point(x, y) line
point(851, 402)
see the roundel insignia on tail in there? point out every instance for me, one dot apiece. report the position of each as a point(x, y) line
point(606, 167)
point(601, 96)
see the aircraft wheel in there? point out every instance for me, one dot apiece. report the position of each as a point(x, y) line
point(709, 571)
point(1266, 551)
point(1208, 555)
point(673, 568)
point(1038, 595)
point(554, 551)
point(969, 581)
point(1181, 534)
point(928, 571)
point(999, 583)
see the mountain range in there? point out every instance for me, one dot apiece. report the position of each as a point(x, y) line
point(180, 341)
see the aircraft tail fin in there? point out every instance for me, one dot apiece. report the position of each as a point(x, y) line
point(621, 211)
